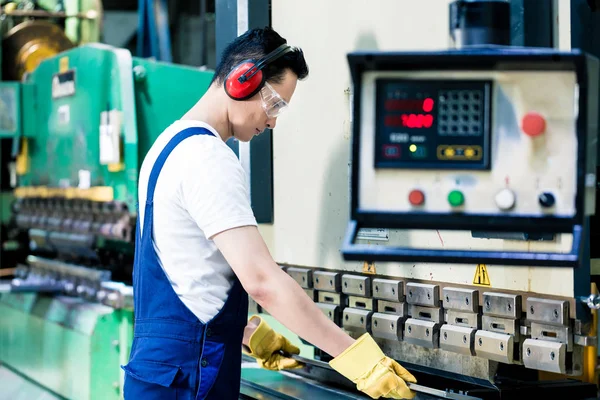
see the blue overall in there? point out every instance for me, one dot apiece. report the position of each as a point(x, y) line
point(174, 355)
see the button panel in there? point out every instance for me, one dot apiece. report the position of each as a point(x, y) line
point(507, 148)
point(505, 199)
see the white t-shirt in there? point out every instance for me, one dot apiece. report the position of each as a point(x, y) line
point(201, 190)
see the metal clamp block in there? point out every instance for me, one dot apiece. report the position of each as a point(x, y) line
point(457, 339)
point(302, 276)
point(545, 356)
point(389, 307)
point(421, 333)
point(466, 300)
point(552, 333)
point(427, 313)
point(502, 305)
point(501, 325)
point(356, 285)
point(327, 281)
point(548, 311)
point(388, 289)
point(464, 319)
point(332, 298)
point(494, 346)
point(331, 311)
point(362, 303)
point(585, 341)
point(387, 326)
point(423, 294)
point(357, 320)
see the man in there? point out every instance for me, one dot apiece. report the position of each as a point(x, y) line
point(199, 253)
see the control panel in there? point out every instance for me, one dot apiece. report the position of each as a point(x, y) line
point(432, 124)
point(504, 140)
point(493, 140)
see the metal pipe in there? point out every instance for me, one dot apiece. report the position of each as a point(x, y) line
point(91, 14)
point(204, 40)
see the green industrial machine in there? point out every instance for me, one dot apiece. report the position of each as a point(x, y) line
point(31, 31)
point(83, 121)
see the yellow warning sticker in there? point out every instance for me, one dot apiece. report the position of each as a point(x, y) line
point(369, 268)
point(481, 278)
point(63, 64)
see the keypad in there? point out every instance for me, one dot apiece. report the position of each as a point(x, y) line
point(460, 113)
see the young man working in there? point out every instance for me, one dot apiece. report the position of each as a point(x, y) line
point(199, 253)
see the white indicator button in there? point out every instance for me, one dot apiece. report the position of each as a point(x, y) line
point(505, 199)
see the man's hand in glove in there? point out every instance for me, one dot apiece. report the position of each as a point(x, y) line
point(264, 344)
point(373, 373)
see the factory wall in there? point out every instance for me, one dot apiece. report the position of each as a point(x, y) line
point(311, 142)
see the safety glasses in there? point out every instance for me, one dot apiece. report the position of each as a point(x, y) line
point(272, 102)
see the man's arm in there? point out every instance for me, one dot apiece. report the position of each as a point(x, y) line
point(275, 291)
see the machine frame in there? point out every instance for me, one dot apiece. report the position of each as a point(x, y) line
point(586, 69)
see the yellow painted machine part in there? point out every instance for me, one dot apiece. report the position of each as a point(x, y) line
point(590, 354)
point(97, 193)
point(22, 164)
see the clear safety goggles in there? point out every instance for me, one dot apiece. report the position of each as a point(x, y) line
point(272, 102)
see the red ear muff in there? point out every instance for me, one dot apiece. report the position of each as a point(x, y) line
point(246, 87)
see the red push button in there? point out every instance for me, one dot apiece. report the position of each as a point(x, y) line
point(416, 198)
point(533, 124)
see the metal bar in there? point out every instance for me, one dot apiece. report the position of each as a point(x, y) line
point(204, 30)
point(413, 386)
point(359, 252)
point(91, 14)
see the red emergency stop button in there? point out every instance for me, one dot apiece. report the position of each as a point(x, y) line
point(533, 124)
point(416, 197)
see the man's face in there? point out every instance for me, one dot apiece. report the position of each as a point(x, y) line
point(251, 117)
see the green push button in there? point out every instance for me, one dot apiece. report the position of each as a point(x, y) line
point(456, 198)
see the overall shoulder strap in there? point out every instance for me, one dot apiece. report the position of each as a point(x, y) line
point(162, 157)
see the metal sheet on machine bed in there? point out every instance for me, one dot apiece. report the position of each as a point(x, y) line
point(258, 383)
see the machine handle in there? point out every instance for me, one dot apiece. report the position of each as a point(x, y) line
point(18, 286)
point(362, 252)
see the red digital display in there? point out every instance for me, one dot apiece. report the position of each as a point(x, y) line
point(414, 121)
point(425, 105)
point(418, 116)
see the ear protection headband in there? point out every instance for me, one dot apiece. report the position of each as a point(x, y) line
point(246, 79)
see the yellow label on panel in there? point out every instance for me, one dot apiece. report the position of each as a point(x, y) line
point(116, 167)
point(63, 65)
point(22, 162)
point(482, 277)
point(369, 268)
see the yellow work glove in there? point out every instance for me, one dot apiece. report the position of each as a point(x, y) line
point(373, 373)
point(265, 345)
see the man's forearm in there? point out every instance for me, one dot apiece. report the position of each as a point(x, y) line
point(248, 331)
point(249, 257)
point(285, 300)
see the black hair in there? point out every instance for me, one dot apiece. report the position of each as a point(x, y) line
point(255, 44)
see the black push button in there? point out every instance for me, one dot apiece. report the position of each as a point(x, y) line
point(546, 199)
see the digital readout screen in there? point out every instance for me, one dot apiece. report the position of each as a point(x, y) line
point(432, 124)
